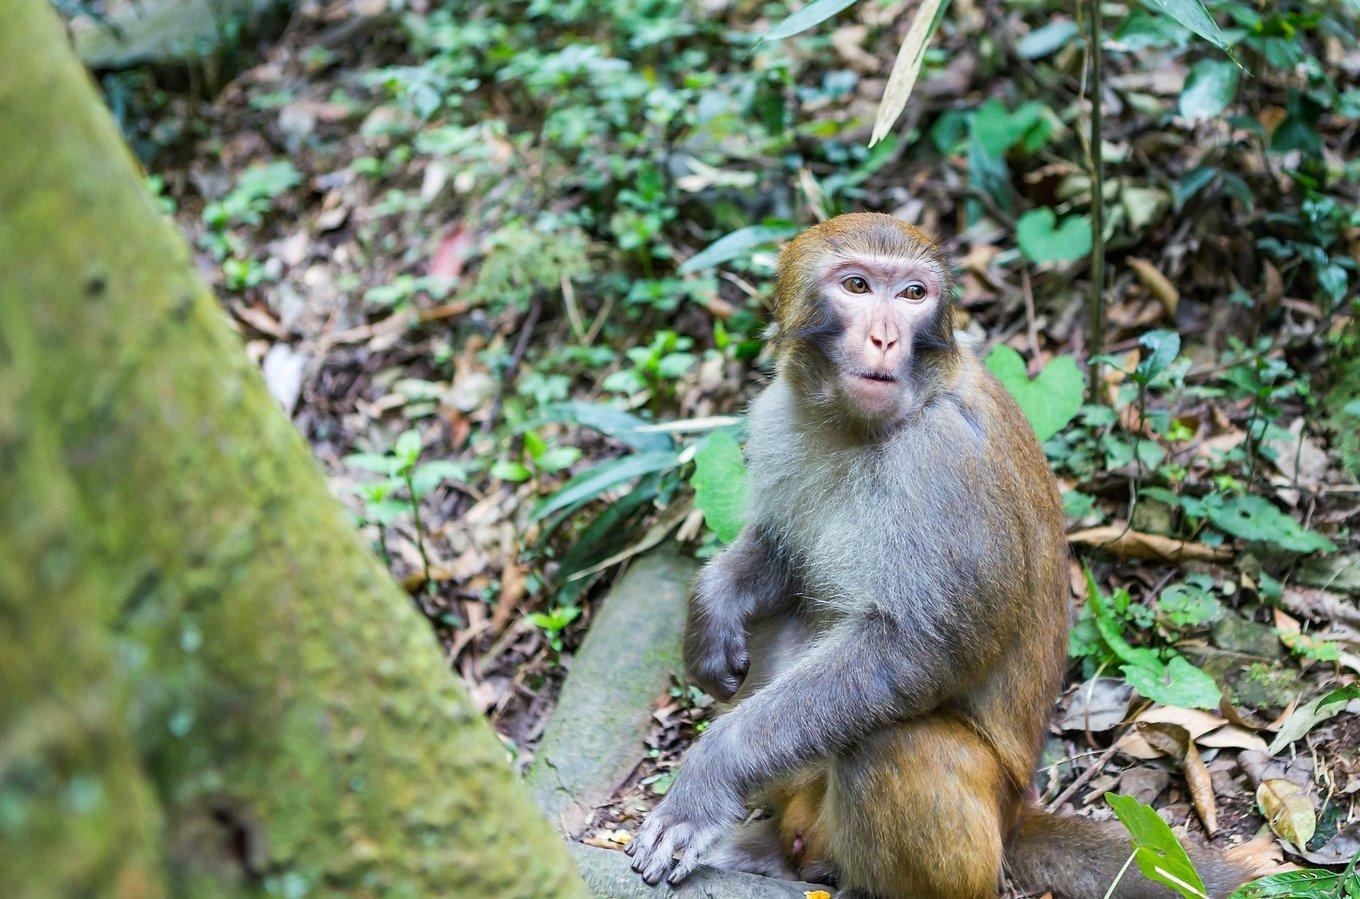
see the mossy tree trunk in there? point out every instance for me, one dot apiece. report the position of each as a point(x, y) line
point(208, 685)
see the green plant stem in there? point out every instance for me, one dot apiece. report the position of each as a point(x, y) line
point(420, 527)
point(1120, 875)
point(1096, 314)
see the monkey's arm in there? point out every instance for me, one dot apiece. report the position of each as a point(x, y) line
point(747, 580)
point(867, 672)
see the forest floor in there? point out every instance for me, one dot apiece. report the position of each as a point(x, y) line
point(471, 226)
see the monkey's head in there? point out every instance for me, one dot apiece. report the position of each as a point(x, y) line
point(864, 314)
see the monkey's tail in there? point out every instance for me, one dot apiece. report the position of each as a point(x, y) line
point(1078, 858)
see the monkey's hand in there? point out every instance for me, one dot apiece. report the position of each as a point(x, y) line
point(718, 659)
point(698, 810)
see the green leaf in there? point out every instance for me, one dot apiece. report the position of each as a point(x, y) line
point(1042, 240)
point(1046, 39)
point(1179, 684)
point(509, 470)
point(378, 464)
point(589, 484)
point(1049, 401)
point(430, 475)
point(557, 458)
point(407, 448)
point(719, 483)
point(736, 245)
point(1209, 89)
point(1193, 15)
point(1155, 848)
point(1307, 884)
point(814, 13)
point(1257, 520)
point(1165, 347)
point(610, 421)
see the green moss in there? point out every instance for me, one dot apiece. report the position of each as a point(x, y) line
point(239, 647)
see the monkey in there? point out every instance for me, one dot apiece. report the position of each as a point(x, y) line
point(891, 624)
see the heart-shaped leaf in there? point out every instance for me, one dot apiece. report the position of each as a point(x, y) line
point(1159, 854)
point(1042, 239)
point(1050, 400)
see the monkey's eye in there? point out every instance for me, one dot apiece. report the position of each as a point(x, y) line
point(915, 291)
point(855, 284)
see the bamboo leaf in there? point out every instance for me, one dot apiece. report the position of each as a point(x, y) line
point(814, 13)
point(907, 66)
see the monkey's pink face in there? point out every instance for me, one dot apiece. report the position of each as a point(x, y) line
point(885, 306)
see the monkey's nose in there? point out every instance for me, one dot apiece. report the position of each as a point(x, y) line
point(882, 343)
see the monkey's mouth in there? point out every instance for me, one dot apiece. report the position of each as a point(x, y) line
point(878, 376)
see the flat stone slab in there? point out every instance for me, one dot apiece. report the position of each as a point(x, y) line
point(608, 874)
point(594, 738)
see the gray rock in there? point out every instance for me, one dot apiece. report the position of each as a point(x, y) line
point(595, 736)
point(608, 874)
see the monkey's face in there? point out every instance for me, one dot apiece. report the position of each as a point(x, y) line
point(887, 308)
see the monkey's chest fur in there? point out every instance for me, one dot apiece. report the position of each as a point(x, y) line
point(898, 521)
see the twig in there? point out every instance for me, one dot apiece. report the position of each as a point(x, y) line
point(512, 370)
point(1028, 293)
point(1096, 325)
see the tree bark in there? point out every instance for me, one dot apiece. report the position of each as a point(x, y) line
point(208, 685)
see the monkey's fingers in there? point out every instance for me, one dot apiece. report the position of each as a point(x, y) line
point(662, 856)
point(699, 844)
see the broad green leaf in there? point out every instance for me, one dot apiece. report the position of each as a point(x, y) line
point(1155, 848)
point(907, 66)
point(510, 470)
point(408, 446)
point(1193, 15)
point(1042, 239)
point(1165, 346)
point(1049, 401)
point(1046, 39)
point(1256, 519)
point(814, 13)
point(1307, 884)
point(998, 129)
point(736, 245)
point(374, 462)
point(1209, 89)
point(431, 474)
point(589, 484)
point(719, 483)
point(1179, 684)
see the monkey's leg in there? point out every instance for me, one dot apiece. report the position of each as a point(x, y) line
point(916, 810)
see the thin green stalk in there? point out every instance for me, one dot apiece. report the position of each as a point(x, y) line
point(1096, 312)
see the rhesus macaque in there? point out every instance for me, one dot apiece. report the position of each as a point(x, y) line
point(893, 621)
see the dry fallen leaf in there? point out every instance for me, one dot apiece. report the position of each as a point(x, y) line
point(816, 894)
point(1157, 284)
point(1175, 741)
point(1287, 810)
point(1129, 544)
